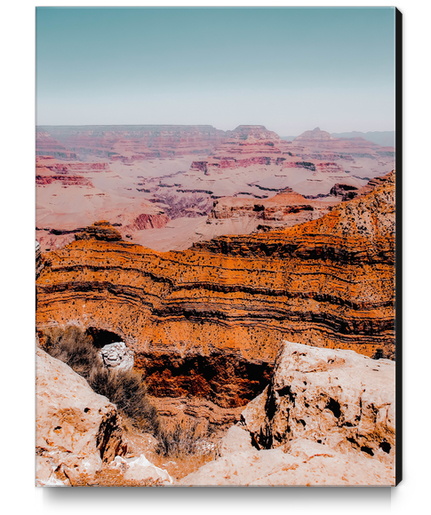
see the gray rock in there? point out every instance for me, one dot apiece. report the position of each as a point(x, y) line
point(117, 356)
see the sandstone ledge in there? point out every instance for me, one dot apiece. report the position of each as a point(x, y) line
point(80, 439)
point(327, 418)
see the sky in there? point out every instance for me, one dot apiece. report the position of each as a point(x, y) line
point(290, 69)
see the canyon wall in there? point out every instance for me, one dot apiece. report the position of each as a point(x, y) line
point(283, 210)
point(161, 173)
point(127, 143)
point(209, 321)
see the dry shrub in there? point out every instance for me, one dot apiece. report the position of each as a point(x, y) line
point(184, 438)
point(184, 447)
point(126, 390)
point(185, 441)
point(74, 347)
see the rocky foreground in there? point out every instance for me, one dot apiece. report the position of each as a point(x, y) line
point(326, 418)
point(80, 437)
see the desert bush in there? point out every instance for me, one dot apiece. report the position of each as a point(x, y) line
point(125, 389)
point(184, 438)
point(128, 391)
point(74, 347)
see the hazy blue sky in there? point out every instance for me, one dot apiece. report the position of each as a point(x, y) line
point(288, 69)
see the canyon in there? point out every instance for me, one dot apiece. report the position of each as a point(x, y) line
point(159, 184)
point(207, 322)
point(213, 259)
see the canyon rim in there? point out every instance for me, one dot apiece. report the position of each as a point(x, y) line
point(216, 301)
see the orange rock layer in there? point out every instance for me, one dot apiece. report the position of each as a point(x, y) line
point(209, 321)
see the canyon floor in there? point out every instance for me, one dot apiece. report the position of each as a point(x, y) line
point(251, 279)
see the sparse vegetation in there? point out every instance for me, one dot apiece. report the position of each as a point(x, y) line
point(126, 390)
point(74, 347)
point(183, 440)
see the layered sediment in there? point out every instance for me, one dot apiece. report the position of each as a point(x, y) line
point(127, 143)
point(209, 321)
point(65, 180)
point(283, 210)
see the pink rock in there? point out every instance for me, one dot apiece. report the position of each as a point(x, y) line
point(327, 418)
point(75, 427)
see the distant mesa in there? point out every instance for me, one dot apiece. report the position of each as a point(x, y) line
point(383, 138)
point(315, 134)
point(140, 177)
point(255, 131)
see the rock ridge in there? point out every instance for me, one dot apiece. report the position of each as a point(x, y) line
point(230, 302)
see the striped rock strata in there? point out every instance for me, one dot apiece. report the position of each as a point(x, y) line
point(208, 321)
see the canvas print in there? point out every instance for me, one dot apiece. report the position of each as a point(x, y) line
point(216, 247)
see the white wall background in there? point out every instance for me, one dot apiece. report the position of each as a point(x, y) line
point(17, 344)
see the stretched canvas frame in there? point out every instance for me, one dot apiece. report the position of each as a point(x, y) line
point(210, 330)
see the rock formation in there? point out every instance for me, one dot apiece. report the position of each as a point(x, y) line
point(314, 135)
point(101, 230)
point(49, 146)
point(128, 143)
point(346, 191)
point(209, 321)
point(80, 439)
point(335, 397)
point(254, 161)
point(116, 356)
point(76, 429)
point(38, 257)
point(327, 418)
point(153, 174)
point(65, 180)
point(67, 202)
point(283, 210)
point(304, 463)
point(383, 138)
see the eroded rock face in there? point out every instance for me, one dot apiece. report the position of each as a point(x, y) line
point(305, 464)
point(38, 259)
point(101, 230)
point(327, 418)
point(65, 180)
point(283, 210)
point(116, 356)
point(76, 429)
point(333, 397)
point(226, 305)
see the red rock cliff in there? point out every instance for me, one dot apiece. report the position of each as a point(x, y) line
point(209, 321)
